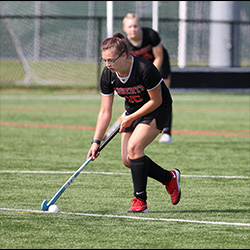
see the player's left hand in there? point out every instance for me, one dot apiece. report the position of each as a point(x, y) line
point(126, 121)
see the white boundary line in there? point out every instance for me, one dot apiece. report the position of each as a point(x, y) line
point(135, 217)
point(113, 173)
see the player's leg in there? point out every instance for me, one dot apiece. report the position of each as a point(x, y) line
point(166, 136)
point(133, 145)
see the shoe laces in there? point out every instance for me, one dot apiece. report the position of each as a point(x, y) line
point(139, 201)
point(134, 200)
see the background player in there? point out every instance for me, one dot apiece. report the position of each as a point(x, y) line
point(146, 42)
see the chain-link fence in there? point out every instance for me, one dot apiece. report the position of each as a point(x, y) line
point(64, 53)
point(45, 48)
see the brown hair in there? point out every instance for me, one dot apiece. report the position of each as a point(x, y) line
point(118, 42)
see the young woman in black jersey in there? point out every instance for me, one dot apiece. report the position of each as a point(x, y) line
point(146, 42)
point(148, 106)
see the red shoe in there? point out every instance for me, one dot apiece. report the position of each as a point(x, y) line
point(173, 186)
point(139, 206)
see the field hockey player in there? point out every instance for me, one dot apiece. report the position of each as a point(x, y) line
point(148, 105)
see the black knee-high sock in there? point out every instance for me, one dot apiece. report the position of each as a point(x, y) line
point(158, 173)
point(168, 126)
point(139, 171)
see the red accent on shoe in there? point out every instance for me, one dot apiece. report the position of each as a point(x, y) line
point(173, 187)
point(138, 206)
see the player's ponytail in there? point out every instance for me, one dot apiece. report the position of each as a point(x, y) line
point(119, 35)
point(117, 41)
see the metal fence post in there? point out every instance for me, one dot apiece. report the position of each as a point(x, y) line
point(99, 41)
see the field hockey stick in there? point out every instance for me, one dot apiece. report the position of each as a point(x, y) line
point(114, 126)
point(45, 205)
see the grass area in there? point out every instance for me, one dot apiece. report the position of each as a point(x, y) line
point(211, 144)
point(49, 74)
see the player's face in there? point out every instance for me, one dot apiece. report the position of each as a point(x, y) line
point(131, 28)
point(112, 59)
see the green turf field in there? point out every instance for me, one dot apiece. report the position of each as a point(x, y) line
point(45, 137)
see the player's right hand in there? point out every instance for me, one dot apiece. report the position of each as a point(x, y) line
point(93, 151)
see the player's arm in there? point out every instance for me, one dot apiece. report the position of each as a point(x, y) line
point(104, 116)
point(103, 121)
point(159, 56)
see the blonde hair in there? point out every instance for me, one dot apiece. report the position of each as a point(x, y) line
point(130, 16)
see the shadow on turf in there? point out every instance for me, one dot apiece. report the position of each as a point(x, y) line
point(205, 211)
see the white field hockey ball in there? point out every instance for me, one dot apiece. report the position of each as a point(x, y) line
point(53, 209)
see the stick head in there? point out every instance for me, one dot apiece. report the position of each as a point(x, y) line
point(44, 205)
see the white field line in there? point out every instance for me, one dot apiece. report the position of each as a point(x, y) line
point(134, 217)
point(113, 173)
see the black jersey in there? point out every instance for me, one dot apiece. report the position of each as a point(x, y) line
point(143, 76)
point(150, 39)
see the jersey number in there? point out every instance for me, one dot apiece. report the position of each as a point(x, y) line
point(133, 98)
